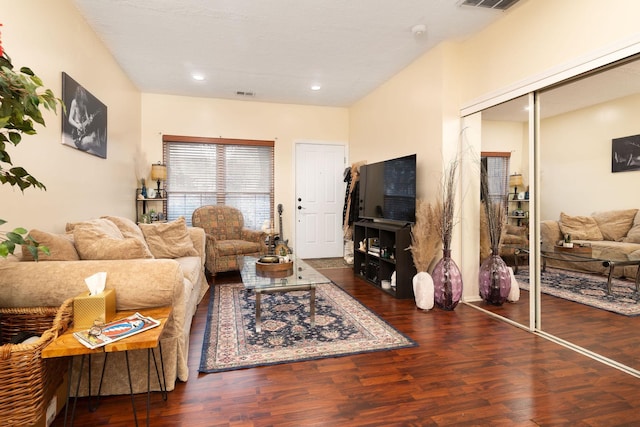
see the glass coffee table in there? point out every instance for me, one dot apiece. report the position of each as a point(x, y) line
point(303, 278)
point(581, 254)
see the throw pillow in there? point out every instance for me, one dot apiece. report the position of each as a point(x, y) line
point(169, 240)
point(580, 227)
point(615, 225)
point(633, 236)
point(128, 228)
point(101, 239)
point(60, 246)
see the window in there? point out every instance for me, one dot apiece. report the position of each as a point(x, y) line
point(497, 166)
point(210, 171)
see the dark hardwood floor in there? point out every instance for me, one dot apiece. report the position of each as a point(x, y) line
point(469, 369)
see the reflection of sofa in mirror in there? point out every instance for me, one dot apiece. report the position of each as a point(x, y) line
point(612, 235)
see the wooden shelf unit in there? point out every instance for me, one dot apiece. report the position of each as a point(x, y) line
point(392, 255)
point(159, 204)
point(521, 205)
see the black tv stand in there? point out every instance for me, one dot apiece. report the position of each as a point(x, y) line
point(384, 250)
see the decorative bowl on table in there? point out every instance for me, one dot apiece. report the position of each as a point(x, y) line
point(271, 266)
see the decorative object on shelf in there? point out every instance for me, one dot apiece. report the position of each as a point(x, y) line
point(447, 279)
point(494, 277)
point(84, 127)
point(143, 189)
point(515, 181)
point(22, 97)
point(158, 173)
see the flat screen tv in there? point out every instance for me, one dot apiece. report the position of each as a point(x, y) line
point(388, 190)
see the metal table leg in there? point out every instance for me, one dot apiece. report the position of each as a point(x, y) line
point(258, 318)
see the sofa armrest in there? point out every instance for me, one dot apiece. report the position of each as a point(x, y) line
point(256, 236)
point(139, 283)
point(199, 239)
point(549, 234)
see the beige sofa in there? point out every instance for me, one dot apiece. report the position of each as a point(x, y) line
point(151, 265)
point(612, 235)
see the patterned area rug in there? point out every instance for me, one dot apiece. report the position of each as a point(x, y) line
point(588, 289)
point(343, 326)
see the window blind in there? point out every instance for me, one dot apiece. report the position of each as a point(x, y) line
point(210, 171)
point(496, 166)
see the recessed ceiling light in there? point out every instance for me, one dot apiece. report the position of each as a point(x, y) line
point(316, 87)
point(197, 76)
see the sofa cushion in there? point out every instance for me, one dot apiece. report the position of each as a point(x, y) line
point(101, 239)
point(633, 236)
point(614, 225)
point(169, 240)
point(580, 227)
point(60, 246)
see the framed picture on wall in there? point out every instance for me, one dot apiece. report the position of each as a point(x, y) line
point(625, 153)
point(84, 126)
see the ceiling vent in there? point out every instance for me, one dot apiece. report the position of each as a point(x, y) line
point(490, 4)
point(248, 93)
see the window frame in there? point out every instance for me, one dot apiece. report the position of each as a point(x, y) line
point(172, 140)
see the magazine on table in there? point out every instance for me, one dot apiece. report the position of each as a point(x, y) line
point(101, 335)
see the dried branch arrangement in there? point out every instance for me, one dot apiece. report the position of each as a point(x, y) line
point(495, 212)
point(425, 239)
point(445, 209)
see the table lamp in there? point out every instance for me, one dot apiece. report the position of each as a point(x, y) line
point(515, 180)
point(159, 173)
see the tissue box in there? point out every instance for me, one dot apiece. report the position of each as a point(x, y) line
point(87, 308)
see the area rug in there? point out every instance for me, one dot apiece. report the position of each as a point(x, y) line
point(321, 263)
point(343, 326)
point(588, 289)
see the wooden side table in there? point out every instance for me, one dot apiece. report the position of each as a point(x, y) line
point(67, 345)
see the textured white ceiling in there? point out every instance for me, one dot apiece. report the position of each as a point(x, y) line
point(274, 48)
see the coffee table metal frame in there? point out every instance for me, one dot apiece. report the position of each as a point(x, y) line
point(303, 278)
point(577, 257)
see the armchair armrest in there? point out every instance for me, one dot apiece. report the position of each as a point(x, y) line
point(549, 234)
point(256, 236)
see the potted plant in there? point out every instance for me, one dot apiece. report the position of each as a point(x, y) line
point(22, 96)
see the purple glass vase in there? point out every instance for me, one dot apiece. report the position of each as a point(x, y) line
point(495, 280)
point(447, 282)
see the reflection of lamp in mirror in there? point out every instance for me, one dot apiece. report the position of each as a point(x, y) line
point(515, 180)
point(159, 173)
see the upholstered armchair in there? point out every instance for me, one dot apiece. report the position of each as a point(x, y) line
point(227, 237)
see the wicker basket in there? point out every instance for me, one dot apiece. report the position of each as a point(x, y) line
point(28, 382)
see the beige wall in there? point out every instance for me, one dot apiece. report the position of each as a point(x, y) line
point(412, 111)
point(51, 37)
point(405, 116)
point(285, 123)
point(576, 175)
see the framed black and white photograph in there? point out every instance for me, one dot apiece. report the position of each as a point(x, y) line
point(84, 126)
point(625, 154)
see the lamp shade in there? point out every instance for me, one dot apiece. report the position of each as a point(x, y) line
point(158, 172)
point(514, 180)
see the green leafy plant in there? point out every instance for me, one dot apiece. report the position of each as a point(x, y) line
point(22, 96)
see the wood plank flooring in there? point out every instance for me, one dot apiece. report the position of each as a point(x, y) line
point(469, 369)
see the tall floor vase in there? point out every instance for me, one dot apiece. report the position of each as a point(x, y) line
point(447, 282)
point(495, 280)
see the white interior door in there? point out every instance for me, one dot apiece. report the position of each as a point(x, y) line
point(320, 191)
